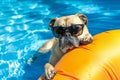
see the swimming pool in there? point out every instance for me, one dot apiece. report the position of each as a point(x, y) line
point(24, 28)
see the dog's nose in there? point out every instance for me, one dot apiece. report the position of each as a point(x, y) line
point(67, 34)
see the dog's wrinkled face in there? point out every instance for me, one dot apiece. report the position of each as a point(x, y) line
point(67, 29)
point(68, 35)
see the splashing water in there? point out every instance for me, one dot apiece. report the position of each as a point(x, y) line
point(23, 29)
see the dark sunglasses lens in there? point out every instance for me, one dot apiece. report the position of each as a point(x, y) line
point(60, 30)
point(57, 31)
point(76, 28)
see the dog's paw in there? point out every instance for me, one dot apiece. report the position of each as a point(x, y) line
point(30, 61)
point(86, 39)
point(33, 58)
point(49, 71)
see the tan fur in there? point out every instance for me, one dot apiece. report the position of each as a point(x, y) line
point(53, 44)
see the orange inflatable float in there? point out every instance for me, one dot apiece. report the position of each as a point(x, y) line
point(99, 60)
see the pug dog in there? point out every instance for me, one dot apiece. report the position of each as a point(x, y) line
point(69, 32)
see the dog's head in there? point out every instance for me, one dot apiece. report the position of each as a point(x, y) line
point(68, 30)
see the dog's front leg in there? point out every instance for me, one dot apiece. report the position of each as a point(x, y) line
point(44, 49)
point(30, 60)
point(49, 71)
point(49, 67)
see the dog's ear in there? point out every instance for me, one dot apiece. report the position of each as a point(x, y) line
point(83, 17)
point(51, 23)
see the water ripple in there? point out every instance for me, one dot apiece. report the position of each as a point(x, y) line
point(24, 28)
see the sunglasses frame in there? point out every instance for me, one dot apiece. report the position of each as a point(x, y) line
point(73, 29)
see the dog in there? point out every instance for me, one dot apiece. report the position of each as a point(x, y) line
point(69, 32)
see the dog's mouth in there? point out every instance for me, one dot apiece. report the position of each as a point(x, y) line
point(69, 48)
point(68, 43)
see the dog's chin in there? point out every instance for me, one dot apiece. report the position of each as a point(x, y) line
point(68, 43)
point(67, 49)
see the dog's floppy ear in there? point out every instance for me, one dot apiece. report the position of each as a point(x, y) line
point(51, 23)
point(83, 17)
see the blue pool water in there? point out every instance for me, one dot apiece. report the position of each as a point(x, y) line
point(24, 28)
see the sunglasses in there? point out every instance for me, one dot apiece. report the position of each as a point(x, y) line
point(74, 29)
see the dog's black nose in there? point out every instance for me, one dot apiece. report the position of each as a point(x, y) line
point(67, 34)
